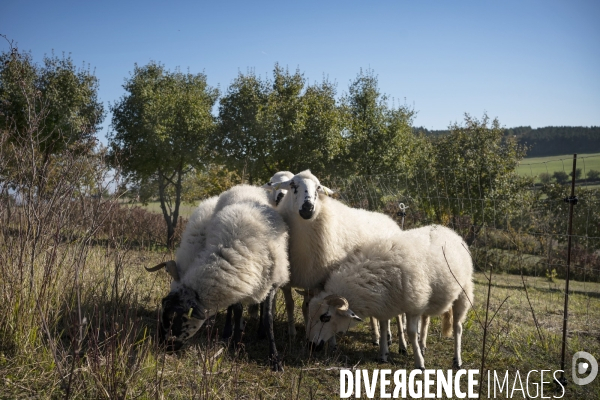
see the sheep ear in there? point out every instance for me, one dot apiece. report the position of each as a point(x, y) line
point(350, 314)
point(285, 185)
point(325, 190)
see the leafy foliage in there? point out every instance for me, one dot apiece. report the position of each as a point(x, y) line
point(161, 130)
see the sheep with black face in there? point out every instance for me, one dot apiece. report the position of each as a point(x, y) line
point(244, 261)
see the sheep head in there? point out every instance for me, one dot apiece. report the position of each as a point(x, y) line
point(327, 315)
point(277, 194)
point(304, 190)
point(182, 316)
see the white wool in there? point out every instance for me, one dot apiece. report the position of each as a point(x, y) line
point(318, 245)
point(280, 176)
point(193, 239)
point(405, 274)
point(245, 254)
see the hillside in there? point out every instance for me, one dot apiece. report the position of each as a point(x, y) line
point(549, 140)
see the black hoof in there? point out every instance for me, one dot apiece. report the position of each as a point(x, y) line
point(375, 343)
point(276, 366)
point(402, 351)
point(455, 364)
point(381, 360)
point(227, 332)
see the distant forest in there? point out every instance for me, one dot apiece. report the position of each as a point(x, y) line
point(549, 140)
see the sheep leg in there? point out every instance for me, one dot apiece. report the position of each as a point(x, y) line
point(332, 343)
point(261, 334)
point(401, 340)
point(412, 328)
point(289, 307)
point(424, 330)
point(273, 356)
point(228, 329)
point(389, 332)
point(459, 311)
point(237, 320)
point(384, 349)
point(374, 331)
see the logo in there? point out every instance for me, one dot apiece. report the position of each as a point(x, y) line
point(581, 367)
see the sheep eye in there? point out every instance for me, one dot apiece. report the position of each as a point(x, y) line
point(325, 318)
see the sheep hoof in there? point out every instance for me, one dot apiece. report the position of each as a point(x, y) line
point(276, 366)
point(227, 332)
point(375, 342)
point(455, 364)
point(382, 360)
point(403, 351)
point(292, 332)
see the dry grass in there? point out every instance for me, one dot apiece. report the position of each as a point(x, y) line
point(119, 357)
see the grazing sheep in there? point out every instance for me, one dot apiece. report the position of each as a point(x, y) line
point(244, 261)
point(323, 231)
point(193, 239)
point(421, 272)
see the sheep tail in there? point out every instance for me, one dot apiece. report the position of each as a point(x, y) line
point(447, 321)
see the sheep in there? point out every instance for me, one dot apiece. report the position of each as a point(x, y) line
point(323, 230)
point(422, 272)
point(193, 239)
point(244, 261)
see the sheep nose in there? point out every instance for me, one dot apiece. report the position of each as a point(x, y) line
point(307, 210)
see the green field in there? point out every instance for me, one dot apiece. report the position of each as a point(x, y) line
point(536, 165)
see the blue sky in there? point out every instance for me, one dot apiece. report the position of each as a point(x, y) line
point(526, 62)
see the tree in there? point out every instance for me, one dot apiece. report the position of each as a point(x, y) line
point(545, 178)
point(284, 124)
point(561, 177)
point(475, 172)
point(241, 140)
point(304, 123)
point(379, 137)
point(64, 101)
point(577, 173)
point(593, 175)
point(161, 126)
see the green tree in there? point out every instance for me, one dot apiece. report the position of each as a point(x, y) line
point(304, 122)
point(545, 178)
point(593, 174)
point(241, 140)
point(379, 136)
point(52, 107)
point(561, 177)
point(578, 173)
point(161, 127)
point(475, 174)
point(284, 124)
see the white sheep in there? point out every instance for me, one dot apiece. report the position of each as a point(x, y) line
point(193, 239)
point(244, 261)
point(323, 231)
point(421, 272)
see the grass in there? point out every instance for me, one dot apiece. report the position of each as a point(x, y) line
point(185, 209)
point(120, 358)
point(535, 166)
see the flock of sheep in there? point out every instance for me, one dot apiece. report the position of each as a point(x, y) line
point(242, 246)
